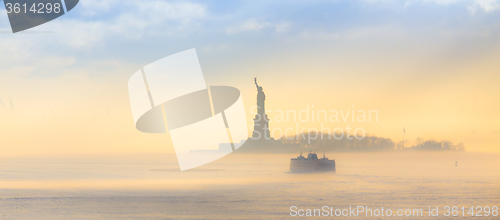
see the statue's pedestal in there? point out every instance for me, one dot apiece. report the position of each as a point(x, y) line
point(261, 127)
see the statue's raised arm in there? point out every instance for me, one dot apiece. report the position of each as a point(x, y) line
point(256, 82)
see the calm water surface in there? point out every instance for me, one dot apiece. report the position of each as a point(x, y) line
point(243, 186)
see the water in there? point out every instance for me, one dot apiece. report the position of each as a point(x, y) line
point(243, 186)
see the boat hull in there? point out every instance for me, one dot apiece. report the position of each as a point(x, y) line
point(309, 166)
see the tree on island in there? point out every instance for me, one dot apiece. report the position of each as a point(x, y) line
point(324, 141)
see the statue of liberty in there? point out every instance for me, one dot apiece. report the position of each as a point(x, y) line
point(261, 122)
point(261, 98)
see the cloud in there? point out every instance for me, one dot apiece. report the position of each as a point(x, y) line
point(160, 10)
point(388, 31)
point(253, 25)
point(249, 25)
point(282, 27)
point(94, 7)
point(441, 2)
point(130, 20)
point(55, 62)
point(472, 5)
point(79, 32)
point(486, 5)
point(318, 35)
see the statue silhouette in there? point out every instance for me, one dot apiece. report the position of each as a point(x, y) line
point(261, 127)
point(261, 98)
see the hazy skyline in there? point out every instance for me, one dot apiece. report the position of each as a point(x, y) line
point(429, 66)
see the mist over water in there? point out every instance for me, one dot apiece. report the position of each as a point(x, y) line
point(242, 186)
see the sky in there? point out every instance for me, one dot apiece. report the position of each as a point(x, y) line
point(430, 66)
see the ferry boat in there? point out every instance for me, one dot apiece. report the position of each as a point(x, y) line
point(311, 164)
